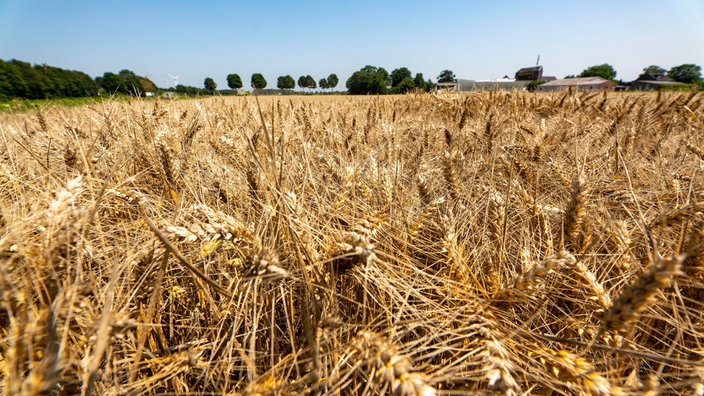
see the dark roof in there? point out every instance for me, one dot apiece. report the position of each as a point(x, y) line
point(529, 73)
point(530, 69)
point(653, 77)
point(653, 82)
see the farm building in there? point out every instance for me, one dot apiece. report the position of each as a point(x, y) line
point(533, 73)
point(460, 85)
point(580, 84)
point(654, 82)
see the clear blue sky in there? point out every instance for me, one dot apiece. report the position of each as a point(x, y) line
point(476, 39)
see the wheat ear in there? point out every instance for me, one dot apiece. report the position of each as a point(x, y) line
point(575, 214)
point(634, 300)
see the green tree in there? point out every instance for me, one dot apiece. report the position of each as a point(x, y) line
point(323, 83)
point(290, 82)
point(687, 73)
point(310, 82)
point(446, 76)
point(385, 76)
point(68, 83)
point(130, 83)
point(306, 82)
point(6, 89)
point(419, 81)
point(408, 84)
point(369, 80)
point(126, 82)
point(332, 80)
point(13, 84)
point(147, 84)
point(398, 75)
point(605, 71)
point(285, 82)
point(32, 85)
point(24, 80)
point(258, 81)
point(209, 85)
point(111, 83)
point(234, 81)
point(654, 70)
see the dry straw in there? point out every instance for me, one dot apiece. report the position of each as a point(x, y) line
point(411, 245)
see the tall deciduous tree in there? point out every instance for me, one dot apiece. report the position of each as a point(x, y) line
point(210, 85)
point(302, 82)
point(111, 82)
point(126, 82)
point(446, 76)
point(687, 73)
point(398, 75)
point(285, 82)
point(234, 81)
point(406, 85)
point(310, 82)
point(131, 84)
point(147, 84)
point(323, 83)
point(332, 80)
point(654, 70)
point(306, 82)
point(419, 81)
point(368, 80)
point(258, 81)
point(604, 71)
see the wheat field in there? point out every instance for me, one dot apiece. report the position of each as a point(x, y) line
point(429, 244)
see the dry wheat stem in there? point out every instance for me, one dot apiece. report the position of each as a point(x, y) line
point(354, 245)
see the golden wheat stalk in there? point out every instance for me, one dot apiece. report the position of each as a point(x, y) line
point(635, 299)
point(575, 215)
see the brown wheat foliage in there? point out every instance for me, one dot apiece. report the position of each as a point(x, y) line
point(488, 243)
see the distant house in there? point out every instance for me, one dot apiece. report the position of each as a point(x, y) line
point(447, 86)
point(579, 84)
point(653, 82)
point(460, 85)
point(523, 78)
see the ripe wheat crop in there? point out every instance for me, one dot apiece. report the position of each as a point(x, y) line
point(489, 243)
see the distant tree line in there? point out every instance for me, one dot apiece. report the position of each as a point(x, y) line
point(125, 82)
point(189, 90)
point(284, 83)
point(372, 80)
point(368, 80)
point(686, 73)
point(22, 80)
